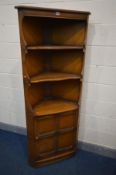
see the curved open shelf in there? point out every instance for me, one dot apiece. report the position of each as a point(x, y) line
point(55, 47)
point(53, 76)
point(48, 107)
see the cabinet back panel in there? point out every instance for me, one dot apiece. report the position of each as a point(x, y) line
point(34, 63)
point(32, 31)
point(59, 32)
point(69, 90)
point(68, 62)
point(69, 33)
point(62, 61)
point(36, 93)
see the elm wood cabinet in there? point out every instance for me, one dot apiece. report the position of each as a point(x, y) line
point(52, 45)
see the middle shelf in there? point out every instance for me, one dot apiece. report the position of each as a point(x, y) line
point(54, 106)
point(55, 47)
point(53, 76)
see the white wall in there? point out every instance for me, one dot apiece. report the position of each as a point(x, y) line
point(98, 109)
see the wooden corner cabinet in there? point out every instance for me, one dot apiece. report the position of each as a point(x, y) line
point(53, 46)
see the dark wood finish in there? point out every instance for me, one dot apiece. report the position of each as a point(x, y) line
point(52, 44)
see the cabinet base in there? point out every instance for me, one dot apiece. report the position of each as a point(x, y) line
point(53, 159)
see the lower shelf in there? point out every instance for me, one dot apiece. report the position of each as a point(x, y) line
point(48, 107)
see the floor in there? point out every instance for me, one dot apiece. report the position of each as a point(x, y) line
point(13, 160)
